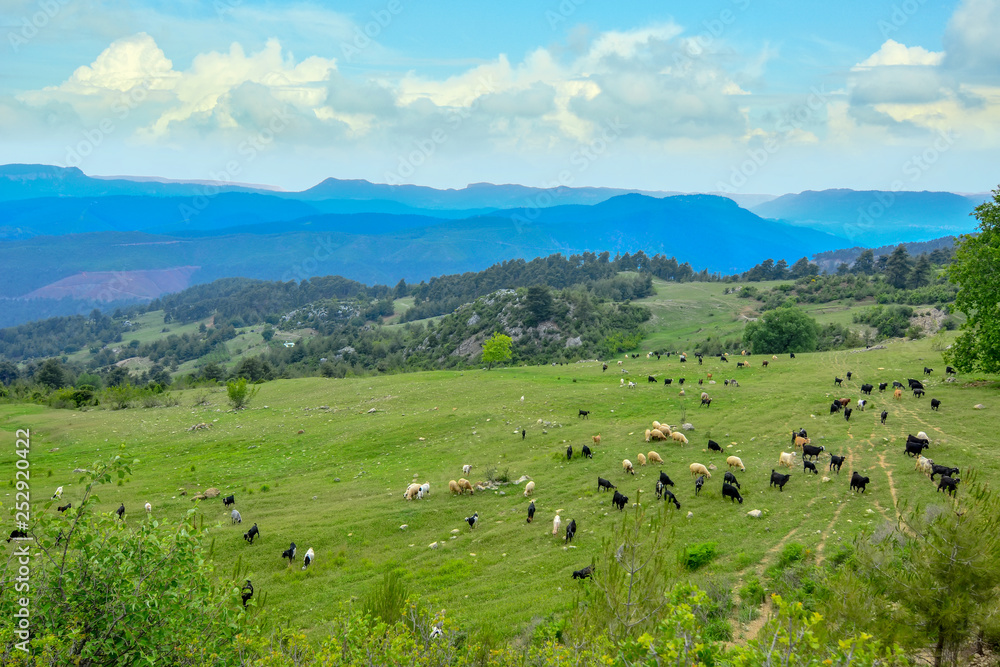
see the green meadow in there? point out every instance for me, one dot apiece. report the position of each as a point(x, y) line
point(324, 463)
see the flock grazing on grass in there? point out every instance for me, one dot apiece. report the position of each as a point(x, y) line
point(915, 447)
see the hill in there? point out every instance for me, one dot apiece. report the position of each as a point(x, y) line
point(876, 217)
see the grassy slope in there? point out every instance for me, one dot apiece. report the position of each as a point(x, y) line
point(522, 571)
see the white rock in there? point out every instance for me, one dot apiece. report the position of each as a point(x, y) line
point(756, 514)
point(979, 406)
point(688, 427)
point(825, 479)
point(456, 530)
point(690, 515)
point(404, 526)
point(433, 545)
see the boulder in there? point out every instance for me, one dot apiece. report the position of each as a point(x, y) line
point(212, 492)
point(755, 514)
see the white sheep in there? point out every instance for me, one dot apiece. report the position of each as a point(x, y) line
point(786, 459)
point(642, 458)
point(653, 457)
point(529, 488)
point(411, 491)
point(925, 465)
point(656, 424)
point(699, 469)
point(736, 462)
point(149, 508)
point(679, 437)
point(58, 493)
point(556, 522)
point(627, 466)
point(657, 434)
point(424, 490)
point(920, 435)
point(466, 468)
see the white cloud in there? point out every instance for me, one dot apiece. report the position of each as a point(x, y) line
point(893, 53)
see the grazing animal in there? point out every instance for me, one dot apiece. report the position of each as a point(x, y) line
point(641, 458)
point(867, 389)
point(844, 402)
point(587, 453)
point(556, 522)
point(289, 553)
point(411, 491)
point(570, 531)
point(466, 469)
point(229, 500)
point(670, 498)
point(699, 469)
point(246, 592)
point(706, 401)
point(619, 501)
point(308, 558)
point(698, 483)
point(735, 462)
point(522, 434)
point(918, 393)
point(779, 480)
point(792, 355)
point(585, 573)
point(68, 505)
point(858, 482)
point(729, 491)
point(149, 508)
point(882, 386)
point(812, 450)
point(454, 487)
point(786, 459)
point(680, 380)
point(627, 466)
point(950, 371)
point(885, 414)
point(764, 364)
point(665, 479)
point(251, 534)
point(915, 384)
point(604, 367)
point(531, 511)
point(467, 486)
point(596, 439)
point(896, 384)
point(802, 433)
point(58, 493)
point(915, 448)
point(949, 484)
point(655, 434)
point(569, 452)
point(935, 404)
point(800, 442)
point(927, 371)
point(861, 404)
point(713, 446)
point(650, 378)
point(836, 462)
point(809, 465)
point(17, 535)
point(120, 511)
point(897, 394)
point(848, 375)
point(668, 380)
point(731, 479)
point(424, 490)
point(847, 414)
point(472, 520)
point(606, 484)
point(679, 437)
point(235, 516)
point(653, 457)
point(838, 382)
point(925, 465)
point(942, 470)
point(584, 413)
point(529, 488)
point(835, 407)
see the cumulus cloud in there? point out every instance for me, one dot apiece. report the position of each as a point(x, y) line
point(970, 40)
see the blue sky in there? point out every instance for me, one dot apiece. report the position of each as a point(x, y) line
point(728, 95)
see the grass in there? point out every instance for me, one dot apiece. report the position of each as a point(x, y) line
point(338, 485)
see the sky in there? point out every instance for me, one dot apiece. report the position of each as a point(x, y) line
point(738, 96)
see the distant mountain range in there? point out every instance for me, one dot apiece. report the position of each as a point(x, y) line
point(151, 235)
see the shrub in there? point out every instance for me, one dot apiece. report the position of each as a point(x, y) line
point(791, 554)
point(386, 601)
point(695, 555)
point(752, 592)
point(240, 393)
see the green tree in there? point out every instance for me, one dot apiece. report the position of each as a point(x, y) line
point(213, 371)
point(865, 263)
point(497, 349)
point(897, 267)
point(51, 374)
point(976, 270)
point(8, 372)
point(920, 275)
point(785, 329)
point(538, 304)
point(240, 393)
point(253, 368)
point(804, 268)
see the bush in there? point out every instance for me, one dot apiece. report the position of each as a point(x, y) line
point(696, 555)
point(752, 592)
point(240, 393)
point(791, 554)
point(386, 601)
